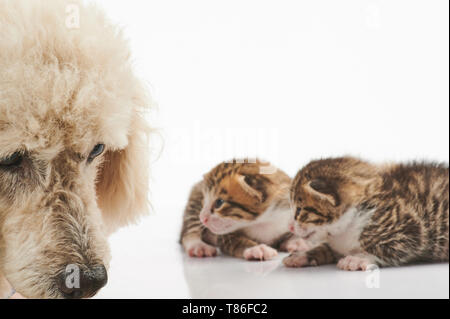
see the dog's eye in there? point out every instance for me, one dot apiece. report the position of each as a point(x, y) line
point(96, 152)
point(12, 161)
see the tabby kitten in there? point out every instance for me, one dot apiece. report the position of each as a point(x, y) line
point(241, 210)
point(360, 214)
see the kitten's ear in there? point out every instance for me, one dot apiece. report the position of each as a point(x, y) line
point(245, 183)
point(324, 190)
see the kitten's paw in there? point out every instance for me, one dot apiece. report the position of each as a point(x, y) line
point(200, 249)
point(295, 244)
point(260, 252)
point(297, 259)
point(354, 263)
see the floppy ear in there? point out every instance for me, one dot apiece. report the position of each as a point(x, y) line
point(324, 190)
point(122, 187)
point(245, 182)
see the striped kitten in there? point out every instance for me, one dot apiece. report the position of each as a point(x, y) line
point(360, 214)
point(242, 211)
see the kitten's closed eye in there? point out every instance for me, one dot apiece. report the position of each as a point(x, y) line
point(316, 212)
point(13, 160)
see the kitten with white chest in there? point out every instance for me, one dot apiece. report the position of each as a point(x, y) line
point(359, 214)
point(241, 210)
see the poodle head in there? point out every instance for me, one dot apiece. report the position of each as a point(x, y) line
point(73, 146)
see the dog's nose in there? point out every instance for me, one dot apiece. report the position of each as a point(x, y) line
point(77, 284)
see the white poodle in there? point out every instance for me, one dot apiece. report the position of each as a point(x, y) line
point(73, 146)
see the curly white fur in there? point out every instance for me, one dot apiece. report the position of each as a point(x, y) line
point(62, 91)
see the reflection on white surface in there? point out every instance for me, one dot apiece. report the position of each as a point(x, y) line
point(149, 263)
point(230, 278)
point(207, 279)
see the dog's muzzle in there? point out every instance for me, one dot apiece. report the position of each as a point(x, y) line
point(75, 283)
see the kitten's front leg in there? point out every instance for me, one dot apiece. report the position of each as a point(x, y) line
point(320, 255)
point(260, 252)
point(240, 246)
point(195, 247)
point(294, 243)
point(356, 262)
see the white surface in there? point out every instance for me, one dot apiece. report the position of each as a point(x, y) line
point(154, 266)
point(289, 81)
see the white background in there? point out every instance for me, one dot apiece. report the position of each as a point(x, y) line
point(288, 81)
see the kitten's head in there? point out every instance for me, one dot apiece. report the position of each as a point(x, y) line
point(323, 191)
point(237, 193)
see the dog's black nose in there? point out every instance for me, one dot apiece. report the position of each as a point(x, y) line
point(75, 283)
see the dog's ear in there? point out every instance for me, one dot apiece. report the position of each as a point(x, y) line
point(122, 186)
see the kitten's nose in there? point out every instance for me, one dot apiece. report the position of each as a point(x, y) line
point(291, 228)
point(82, 284)
point(204, 219)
